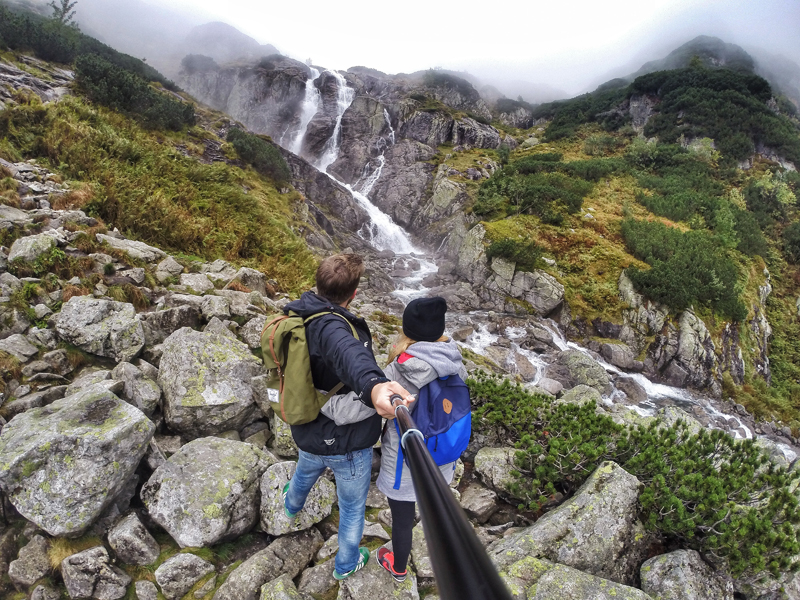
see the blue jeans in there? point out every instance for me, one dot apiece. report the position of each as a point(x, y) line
point(353, 473)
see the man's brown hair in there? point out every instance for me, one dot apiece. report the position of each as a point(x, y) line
point(338, 277)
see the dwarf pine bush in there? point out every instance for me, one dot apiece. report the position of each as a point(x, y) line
point(706, 490)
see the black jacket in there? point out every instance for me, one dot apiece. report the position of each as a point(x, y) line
point(337, 356)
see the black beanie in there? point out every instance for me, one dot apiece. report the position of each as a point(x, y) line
point(423, 319)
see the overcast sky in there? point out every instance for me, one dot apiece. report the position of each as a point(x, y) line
point(569, 44)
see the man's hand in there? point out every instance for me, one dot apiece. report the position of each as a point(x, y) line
point(381, 395)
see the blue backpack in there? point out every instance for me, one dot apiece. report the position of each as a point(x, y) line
point(443, 415)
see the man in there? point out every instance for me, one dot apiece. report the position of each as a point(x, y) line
point(337, 356)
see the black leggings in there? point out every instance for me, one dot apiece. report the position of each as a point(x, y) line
point(402, 524)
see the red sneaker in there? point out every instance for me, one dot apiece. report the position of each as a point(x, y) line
point(386, 560)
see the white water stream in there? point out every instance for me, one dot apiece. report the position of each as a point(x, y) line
point(311, 104)
point(384, 234)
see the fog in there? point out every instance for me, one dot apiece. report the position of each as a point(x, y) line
point(523, 48)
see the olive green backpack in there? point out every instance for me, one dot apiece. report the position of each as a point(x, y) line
point(285, 353)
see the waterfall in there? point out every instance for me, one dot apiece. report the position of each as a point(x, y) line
point(381, 231)
point(389, 123)
point(311, 103)
point(344, 98)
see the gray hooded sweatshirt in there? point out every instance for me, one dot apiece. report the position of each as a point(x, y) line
point(429, 360)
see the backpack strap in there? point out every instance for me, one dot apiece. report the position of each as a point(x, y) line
point(339, 385)
point(275, 322)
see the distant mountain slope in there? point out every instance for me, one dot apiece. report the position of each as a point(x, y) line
point(712, 51)
point(159, 35)
point(224, 43)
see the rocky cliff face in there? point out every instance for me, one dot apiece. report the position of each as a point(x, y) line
point(389, 128)
point(264, 97)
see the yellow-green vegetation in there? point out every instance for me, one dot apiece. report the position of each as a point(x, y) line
point(152, 192)
point(596, 200)
point(60, 548)
point(10, 368)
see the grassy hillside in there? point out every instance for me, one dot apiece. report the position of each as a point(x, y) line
point(154, 184)
point(691, 229)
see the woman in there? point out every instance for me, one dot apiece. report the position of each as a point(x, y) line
point(420, 354)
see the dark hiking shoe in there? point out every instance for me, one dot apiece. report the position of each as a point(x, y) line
point(386, 560)
point(289, 515)
point(362, 560)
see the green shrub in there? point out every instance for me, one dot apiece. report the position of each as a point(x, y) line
point(540, 185)
point(726, 106)
point(198, 63)
point(262, 155)
point(600, 145)
point(686, 268)
point(568, 115)
point(127, 92)
point(525, 253)
point(153, 193)
point(791, 242)
point(52, 40)
point(705, 491)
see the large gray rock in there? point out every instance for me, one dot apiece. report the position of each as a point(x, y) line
point(13, 319)
point(419, 552)
point(287, 555)
point(251, 332)
point(573, 367)
point(29, 248)
point(479, 502)
point(18, 346)
point(282, 442)
point(63, 464)
point(318, 581)
point(318, 504)
point(596, 531)
point(45, 592)
point(132, 248)
point(373, 582)
point(635, 392)
point(139, 390)
point(31, 565)
point(101, 327)
point(215, 306)
point(206, 381)
point(207, 492)
point(146, 590)
point(252, 279)
point(534, 579)
point(169, 267)
point(160, 324)
point(179, 573)
point(682, 575)
point(643, 318)
point(619, 355)
point(34, 400)
point(197, 282)
point(499, 283)
point(495, 465)
point(580, 395)
point(132, 543)
point(90, 574)
point(281, 588)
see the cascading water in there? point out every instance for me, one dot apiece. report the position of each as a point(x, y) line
point(311, 103)
point(344, 98)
